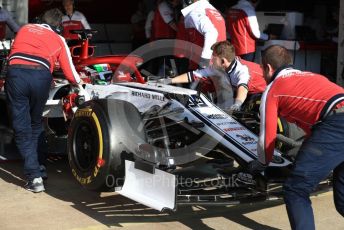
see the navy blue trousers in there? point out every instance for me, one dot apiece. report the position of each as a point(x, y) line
point(27, 92)
point(321, 153)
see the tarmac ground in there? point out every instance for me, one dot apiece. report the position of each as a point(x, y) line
point(66, 205)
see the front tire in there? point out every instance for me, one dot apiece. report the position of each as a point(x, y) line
point(103, 133)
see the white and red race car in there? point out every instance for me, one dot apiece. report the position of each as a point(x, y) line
point(159, 145)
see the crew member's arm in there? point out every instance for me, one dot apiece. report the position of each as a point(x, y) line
point(166, 13)
point(148, 24)
point(194, 75)
point(206, 27)
point(66, 63)
point(254, 26)
point(240, 77)
point(183, 78)
point(241, 96)
point(84, 22)
point(11, 23)
point(268, 126)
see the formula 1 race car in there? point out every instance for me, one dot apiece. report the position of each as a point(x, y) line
point(162, 145)
point(159, 145)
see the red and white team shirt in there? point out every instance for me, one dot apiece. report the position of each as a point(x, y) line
point(242, 25)
point(241, 73)
point(161, 29)
point(45, 48)
point(297, 96)
point(75, 22)
point(77, 16)
point(204, 25)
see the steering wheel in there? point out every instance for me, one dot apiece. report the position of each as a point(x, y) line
point(84, 33)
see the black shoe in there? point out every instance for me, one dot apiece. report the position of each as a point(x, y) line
point(43, 170)
point(35, 185)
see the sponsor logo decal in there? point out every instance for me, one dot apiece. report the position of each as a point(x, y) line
point(217, 116)
point(233, 129)
point(226, 123)
point(245, 137)
point(148, 95)
point(86, 112)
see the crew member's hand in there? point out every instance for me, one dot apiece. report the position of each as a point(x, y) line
point(81, 82)
point(203, 63)
point(77, 84)
point(255, 167)
point(235, 107)
point(165, 81)
point(82, 75)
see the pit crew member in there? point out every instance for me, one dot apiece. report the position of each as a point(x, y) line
point(72, 20)
point(242, 76)
point(164, 24)
point(204, 26)
point(36, 49)
point(317, 105)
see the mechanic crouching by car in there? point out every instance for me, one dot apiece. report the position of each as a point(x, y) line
point(317, 105)
point(35, 51)
point(244, 77)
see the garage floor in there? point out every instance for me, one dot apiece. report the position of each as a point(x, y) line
point(66, 205)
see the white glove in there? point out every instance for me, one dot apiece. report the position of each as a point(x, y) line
point(203, 63)
point(165, 81)
point(236, 106)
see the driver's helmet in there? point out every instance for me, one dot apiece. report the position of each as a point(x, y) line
point(102, 74)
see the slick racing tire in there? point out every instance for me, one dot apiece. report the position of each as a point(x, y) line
point(103, 133)
point(285, 128)
point(291, 131)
